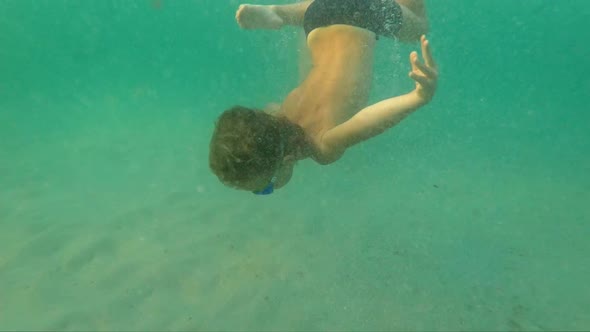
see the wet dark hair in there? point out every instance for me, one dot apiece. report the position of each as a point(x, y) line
point(246, 144)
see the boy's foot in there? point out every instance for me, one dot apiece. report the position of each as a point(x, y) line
point(258, 17)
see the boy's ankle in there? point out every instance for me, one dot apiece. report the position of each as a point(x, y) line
point(277, 10)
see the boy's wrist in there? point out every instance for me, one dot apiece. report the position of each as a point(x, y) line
point(419, 97)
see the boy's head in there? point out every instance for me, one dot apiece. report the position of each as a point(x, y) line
point(247, 149)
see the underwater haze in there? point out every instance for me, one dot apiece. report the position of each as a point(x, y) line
point(472, 214)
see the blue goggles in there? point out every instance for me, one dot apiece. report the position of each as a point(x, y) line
point(270, 187)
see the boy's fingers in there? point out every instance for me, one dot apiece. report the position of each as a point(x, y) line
point(420, 79)
point(426, 70)
point(427, 53)
point(413, 59)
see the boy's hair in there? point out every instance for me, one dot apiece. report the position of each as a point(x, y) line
point(246, 143)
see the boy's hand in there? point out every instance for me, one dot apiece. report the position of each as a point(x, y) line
point(425, 74)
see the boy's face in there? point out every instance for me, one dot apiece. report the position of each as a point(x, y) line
point(283, 175)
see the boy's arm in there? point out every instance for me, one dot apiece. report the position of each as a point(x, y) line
point(383, 115)
point(371, 121)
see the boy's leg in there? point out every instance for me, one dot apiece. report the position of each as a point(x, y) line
point(293, 14)
point(271, 17)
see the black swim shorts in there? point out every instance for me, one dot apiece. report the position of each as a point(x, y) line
point(383, 17)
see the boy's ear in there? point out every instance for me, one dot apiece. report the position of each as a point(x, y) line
point(289, 158)
point(272, 108)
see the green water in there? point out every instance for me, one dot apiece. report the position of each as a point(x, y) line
point(470, 215)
